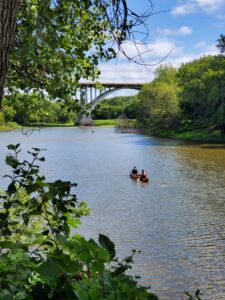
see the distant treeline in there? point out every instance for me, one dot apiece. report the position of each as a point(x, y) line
point(32, 108)
point(190, 97)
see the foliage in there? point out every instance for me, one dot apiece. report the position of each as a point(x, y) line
point(39, 257)
point(158, 101)
point(109, 122)
point(202, 96)
point(2, 119)
point(114, 107)
point(195, 297)
point(36, 108)
point(221, 43)
point(166, 74)
point(187, 99)
point(50, 45)
point(48, 52)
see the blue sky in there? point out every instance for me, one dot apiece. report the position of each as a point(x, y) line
point(187, 28)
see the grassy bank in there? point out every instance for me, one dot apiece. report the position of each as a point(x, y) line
point(13, 125)
point(201, 135)
point(50, 125)
point(111, 122)
point(95, 123)
point(9, 126)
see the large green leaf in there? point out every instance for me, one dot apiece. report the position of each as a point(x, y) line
point(106, 243)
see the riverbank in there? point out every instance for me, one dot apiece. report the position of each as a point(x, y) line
point(209, 134)
point(198, 135)
point(110, 122)
point(13, 125)
point(9, 126)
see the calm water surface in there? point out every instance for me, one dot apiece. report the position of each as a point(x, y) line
point(177, 220)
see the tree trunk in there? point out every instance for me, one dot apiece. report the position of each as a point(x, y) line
point(8, 16)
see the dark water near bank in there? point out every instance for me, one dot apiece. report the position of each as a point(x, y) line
point(177, 220)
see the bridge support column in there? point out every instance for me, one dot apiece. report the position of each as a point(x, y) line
point(86, 95)
point(83, 120)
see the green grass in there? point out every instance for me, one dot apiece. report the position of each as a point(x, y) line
point(95, 123)
point(9, 126)
point(111, 122)
point(50, 125)
point(203, 135)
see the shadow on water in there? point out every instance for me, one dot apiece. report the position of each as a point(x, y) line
point(154, 141)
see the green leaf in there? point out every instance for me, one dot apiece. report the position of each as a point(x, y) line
point(11, 188)
point(6, 295)
point(72, 221)
point(106, 243)
point(50, 270)
point(13, 147)
point(20, 296)
point(81, 293)
point(11, 161)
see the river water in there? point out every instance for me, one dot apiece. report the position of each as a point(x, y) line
point(177, 220)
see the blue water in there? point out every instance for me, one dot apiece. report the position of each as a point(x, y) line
point(177, 220)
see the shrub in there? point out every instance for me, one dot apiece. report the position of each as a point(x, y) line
point(2, 119)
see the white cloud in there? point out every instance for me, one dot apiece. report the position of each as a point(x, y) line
point(208, 5)
point(183, 30)
point(210, 50)
point(157, 50)
point(183, 9)
point(125, 73)
point(200, 45)
point(191, 6)
point(206, 49)
point(122, 71)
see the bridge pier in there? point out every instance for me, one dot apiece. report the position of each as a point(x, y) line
point(83, 120)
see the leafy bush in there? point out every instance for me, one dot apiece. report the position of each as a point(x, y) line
point(39, 257)
point(2, 119)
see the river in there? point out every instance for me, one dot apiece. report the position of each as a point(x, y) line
point(177, 220)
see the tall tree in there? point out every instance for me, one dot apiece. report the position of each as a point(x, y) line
point(159, 103)
point(54, 43)
point(8, 17)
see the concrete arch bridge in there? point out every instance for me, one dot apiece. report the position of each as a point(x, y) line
point(90, 95)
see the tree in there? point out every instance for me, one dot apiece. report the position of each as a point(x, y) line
point(49, 45)
point(8, 16)
point(159, 103)
point(221, 44)
point(202, 96)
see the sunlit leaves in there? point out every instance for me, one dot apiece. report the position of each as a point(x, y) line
point(57, 44)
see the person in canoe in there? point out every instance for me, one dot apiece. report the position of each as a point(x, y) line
point(143, 176)
point(134, 171)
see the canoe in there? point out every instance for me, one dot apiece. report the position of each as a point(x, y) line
point(138, 177)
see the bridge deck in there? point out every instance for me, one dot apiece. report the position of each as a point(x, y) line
point(111, 84)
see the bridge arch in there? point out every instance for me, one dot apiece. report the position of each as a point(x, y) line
point(102, 96)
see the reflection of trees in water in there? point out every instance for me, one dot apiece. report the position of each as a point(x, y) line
point(202, 158)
